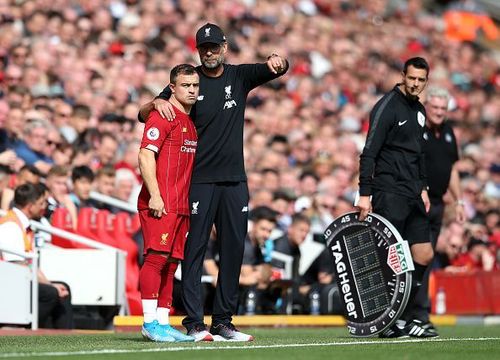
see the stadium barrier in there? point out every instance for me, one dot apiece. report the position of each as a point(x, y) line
point(19, 302)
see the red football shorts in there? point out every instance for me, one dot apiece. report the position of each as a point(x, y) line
point(165, 234)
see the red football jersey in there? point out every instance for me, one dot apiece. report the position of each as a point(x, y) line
point(175, 143)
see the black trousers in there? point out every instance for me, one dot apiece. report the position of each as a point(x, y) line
point(421, 305)
point(226, 206)
point(54, 312)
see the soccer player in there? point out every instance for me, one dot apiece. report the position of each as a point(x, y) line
point(219, 193)
point(166, 162)
point(392, 171)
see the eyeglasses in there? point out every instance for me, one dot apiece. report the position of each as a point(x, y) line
point(213, 48)
point(63, 114)
point(51, 142)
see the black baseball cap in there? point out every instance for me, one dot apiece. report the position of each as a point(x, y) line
point(209, 33)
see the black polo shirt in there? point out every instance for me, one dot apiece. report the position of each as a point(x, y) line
point(440, 154)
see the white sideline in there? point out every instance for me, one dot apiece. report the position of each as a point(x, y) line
point(247, 347)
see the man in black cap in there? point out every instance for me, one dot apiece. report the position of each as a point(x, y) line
point(219, 192)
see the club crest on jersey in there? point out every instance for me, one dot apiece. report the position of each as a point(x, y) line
point(447, 138)
point(184, 130)
point(194, 210)
point(153, 133)
point(421, 119)
point(164, 238)
point(229, 101)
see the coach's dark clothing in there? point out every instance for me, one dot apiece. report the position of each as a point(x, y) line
point(219, 192)
point(441, 152)
point(54, 312)
point(392, 159)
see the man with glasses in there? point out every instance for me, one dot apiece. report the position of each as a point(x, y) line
point(219, 192)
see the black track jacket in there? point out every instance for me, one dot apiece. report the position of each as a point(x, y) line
point(393, 159)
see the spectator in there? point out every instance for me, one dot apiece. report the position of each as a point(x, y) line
point(82, 178)
point(57, 183)
point(31, 148)
point(54, 298)
point(255, 272)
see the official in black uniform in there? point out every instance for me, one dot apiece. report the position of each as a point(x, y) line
point(219, 192)
point(393, 177)
point(441, 152)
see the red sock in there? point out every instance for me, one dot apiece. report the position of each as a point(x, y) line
point(167, 286)
point(151, 274)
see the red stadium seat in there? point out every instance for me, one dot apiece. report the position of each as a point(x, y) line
point(101, 230)
point(61, 219)
point(134, 302)
point(121, 225)
point(86, 220)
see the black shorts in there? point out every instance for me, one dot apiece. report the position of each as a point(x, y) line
point(406, 214)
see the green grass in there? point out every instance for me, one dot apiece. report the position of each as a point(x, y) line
point(317, 343)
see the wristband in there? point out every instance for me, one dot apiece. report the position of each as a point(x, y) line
point(272, 55)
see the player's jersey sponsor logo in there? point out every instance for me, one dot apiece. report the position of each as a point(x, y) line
point(164, 238)
point(194, 209)
point(189, 146)
point(153, 133)
point(421, 119)
point(245, 209)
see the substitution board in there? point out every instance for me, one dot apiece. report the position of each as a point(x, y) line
point(373, 267)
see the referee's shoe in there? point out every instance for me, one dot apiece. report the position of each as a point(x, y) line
point(402, 330)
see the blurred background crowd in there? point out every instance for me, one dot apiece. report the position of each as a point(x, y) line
point(73, 75)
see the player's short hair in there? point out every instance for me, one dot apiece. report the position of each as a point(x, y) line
point(27, 194)
point(182, 69)
point(416, 62)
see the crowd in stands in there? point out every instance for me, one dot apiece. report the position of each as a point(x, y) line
point(73, 75)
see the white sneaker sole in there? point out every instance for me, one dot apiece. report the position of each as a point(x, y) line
point(220, 338)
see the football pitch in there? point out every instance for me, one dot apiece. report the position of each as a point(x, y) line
point(455, 342)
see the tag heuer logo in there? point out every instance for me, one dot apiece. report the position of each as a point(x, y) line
point(396, 259)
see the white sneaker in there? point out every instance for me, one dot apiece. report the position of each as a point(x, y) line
point(200, 333)
point(227, 332)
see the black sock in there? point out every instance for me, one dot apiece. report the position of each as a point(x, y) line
point(418, 274)
point(417, 278)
